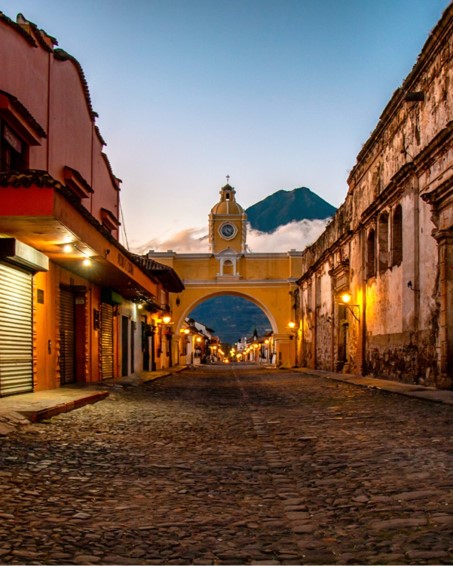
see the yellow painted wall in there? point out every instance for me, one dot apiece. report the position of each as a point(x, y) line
point(264, 279)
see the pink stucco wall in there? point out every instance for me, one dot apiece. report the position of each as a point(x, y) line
point(60, 103)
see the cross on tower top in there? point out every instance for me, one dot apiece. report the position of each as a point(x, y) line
point(228, 179)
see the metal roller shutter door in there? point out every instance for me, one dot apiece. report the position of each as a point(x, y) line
point(106, 341)
point(16, 331)
point(67, 337)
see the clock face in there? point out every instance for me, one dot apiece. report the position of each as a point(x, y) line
point(228, 231)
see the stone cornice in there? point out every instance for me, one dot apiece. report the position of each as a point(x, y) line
point(441, 196)
point(438, 144)
point(225, 282)
point(390, 195)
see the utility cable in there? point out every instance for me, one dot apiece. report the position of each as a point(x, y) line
point(123, 226)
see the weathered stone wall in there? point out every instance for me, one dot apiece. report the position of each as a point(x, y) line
point(323, 312)
point(398, 358)
point(389, 243)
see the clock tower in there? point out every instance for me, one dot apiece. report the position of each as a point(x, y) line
point(227, 224)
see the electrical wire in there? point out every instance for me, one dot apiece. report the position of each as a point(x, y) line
point(123, 226)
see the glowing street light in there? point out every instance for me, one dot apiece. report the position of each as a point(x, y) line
point(346, 297)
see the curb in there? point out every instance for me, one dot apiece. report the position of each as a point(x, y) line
point(146, 377)
point(35, 416)
point(415, 391)
point(139, 379)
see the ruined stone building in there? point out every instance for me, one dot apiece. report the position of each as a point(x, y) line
point(390, 244)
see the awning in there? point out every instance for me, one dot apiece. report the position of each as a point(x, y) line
point(164, 273)
point(44, 214)
point(18, 253)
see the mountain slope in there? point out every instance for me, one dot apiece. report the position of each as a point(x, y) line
point(287, 206)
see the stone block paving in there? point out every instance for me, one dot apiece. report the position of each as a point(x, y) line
point(232, 465)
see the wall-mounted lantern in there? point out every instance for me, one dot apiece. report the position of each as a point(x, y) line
point(291, 326)
point(345, 298)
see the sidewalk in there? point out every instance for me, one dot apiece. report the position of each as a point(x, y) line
point(19, 410)
point(137, 379)
point(410, 390)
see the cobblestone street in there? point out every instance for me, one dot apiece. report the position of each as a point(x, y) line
point(232, 465)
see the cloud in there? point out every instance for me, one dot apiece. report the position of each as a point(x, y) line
point(185, 241)
point(295, 235)
point(292, 236)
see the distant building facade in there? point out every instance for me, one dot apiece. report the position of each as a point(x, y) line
point(376, 294)
point(75, 305)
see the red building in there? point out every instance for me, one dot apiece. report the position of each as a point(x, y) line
point(75, 305)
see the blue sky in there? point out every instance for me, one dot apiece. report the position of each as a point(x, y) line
point(276, 93)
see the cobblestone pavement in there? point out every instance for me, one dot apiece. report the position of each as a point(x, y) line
point(232, 465)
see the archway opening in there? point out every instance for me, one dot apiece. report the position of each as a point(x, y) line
point(232, 317)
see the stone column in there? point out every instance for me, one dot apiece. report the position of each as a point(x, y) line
point(285, 349)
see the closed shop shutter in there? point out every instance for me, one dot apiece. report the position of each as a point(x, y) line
point(106, 341)
point(67, 337)
point(16, 331)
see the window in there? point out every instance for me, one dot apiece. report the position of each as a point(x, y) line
point(18, 131)
point(13, 150)
point(397, 236)
point(371, 254)
point(383, 242)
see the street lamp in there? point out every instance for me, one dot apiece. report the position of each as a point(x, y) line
point(345, 298)
point(165, 336)
point(293, 333)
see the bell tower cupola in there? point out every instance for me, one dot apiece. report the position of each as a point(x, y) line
point(227, 223)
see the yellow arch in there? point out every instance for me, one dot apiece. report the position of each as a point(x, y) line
point(265, 279)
